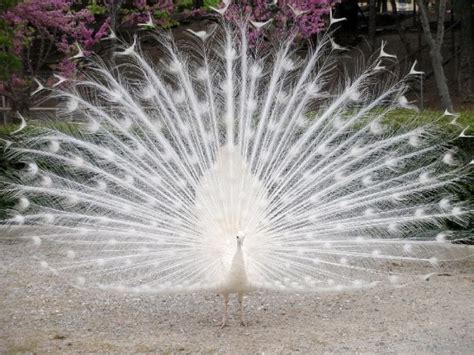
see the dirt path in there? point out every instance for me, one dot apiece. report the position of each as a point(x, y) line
point(40, 314)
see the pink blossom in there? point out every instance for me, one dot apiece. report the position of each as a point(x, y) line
point(194, 12)
point(139, 4)
point(15, 80)
point(285, 22)
point(144, 9)
point(52, 20)
point(49, 26)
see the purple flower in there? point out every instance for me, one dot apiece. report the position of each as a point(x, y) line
point(51, 25)
point(302, 18)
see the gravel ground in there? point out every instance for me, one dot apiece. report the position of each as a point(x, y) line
point(40, 314)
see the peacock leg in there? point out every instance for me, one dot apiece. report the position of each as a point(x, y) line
point(226, 303)
point(241, 302)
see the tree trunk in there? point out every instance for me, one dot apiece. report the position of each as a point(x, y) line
point(20, 104)
point(435, 45)
point(372, 24)
point(440, 78)
point(20, 99)
point(401, 32)
point(466, 61)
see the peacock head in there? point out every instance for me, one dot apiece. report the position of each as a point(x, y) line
point(240, 238)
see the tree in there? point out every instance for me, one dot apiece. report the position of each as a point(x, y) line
point(142, 11)
point(41, 28)
point(400, 30)
point(10, 62)
point(435, 45)
point(372, 22)
point(305, 18)
point(464, 9)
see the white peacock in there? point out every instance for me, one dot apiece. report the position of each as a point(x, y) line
point(223, 170)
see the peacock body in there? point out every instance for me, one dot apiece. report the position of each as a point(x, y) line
point(173, 162)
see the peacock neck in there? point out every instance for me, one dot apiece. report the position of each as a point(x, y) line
point(239, 255)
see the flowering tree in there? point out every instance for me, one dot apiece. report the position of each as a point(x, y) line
point(39, 35)
point(142, 11)
point(42, 28)
point(302, 17)
point(9, 62)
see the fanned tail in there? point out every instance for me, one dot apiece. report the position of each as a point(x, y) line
point(168, 161)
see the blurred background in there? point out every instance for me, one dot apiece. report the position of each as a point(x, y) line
point(42, 41)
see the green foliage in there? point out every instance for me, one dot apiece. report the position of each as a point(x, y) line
point(467, 119)
point(9, 62)
point(96, 9)
point(184, 5)
point(6, 4)
point(167, 21)
point(213, 3)
point(188, 4)
point(404, 117)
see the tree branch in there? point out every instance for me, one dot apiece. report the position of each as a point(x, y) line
point(441, 15)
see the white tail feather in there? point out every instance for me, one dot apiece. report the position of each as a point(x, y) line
point(176, 160)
